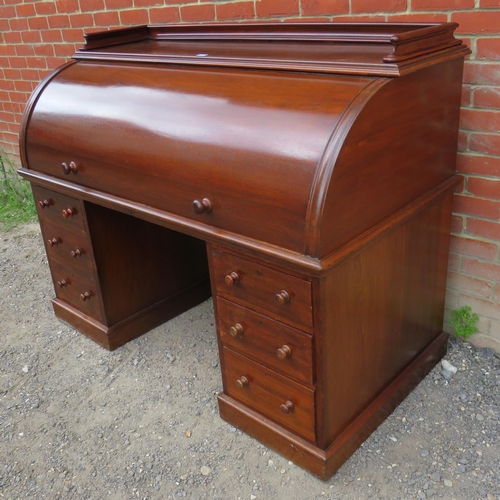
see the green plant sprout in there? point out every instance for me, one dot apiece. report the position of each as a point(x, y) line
point(16, 200)
point(464, 321)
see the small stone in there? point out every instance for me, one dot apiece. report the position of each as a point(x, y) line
point(448, 483)
point(447, 374)
point(435, 476)
point(270, 463)
point(25, 368)
point(393, 438)
point(448, 366)
point(424, 453)
point(205, 471)
point(252, 497)
point(187, 434)
point(479, 417)
point(491, 497)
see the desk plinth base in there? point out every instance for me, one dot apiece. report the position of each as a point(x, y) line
point(112, 337)
point(324, 463)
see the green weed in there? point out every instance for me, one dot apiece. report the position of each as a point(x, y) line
point(464, 321)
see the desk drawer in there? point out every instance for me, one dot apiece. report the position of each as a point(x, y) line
point(77, 289)
point(276, 294)
point(58, 208)
point(276, 397)
point(282, 348)
point(70, 248)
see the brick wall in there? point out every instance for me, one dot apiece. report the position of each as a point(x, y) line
point(40, 35)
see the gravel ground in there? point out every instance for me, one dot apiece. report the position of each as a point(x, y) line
point(79, 422)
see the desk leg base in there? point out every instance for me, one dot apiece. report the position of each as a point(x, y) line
point(324, 463)
point(136, 325)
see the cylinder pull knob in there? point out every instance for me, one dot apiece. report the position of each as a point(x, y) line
point(43, 203)
point(76, 253)
point(69, 212)
point(287, 407)
point(232, 278)
point(202, 207)
point(53, 241)
point(85, 296)
point(284, 352)
point(282, 297)
point(62, 283)
point(241, 382)
point(68, 169)
point(236, 330)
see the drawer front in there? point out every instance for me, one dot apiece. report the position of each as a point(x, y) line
point(70, 248)
point(58, 208)
point(275, 396)
point(276, 294)
point(281, 347)
point(77, 289)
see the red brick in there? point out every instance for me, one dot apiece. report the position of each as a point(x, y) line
point(488, 48)
point(81, 20)
point(118, 4)
point(324, 7)
point(484, 188)
point(469, 205)
point(273, 8)
point(18, 24)
point(7, 12)
point(52, 35)
point(480, 120)
point(369, 18)
point(18, 62)
point(417, 18)
point(165, 15)
point(30, 74)
point(147, 3)
point(44, 50)
point(454, 262)
point(482, 307)
point(442, 4)
point(73, 35)
point(55, 62)
point(88, 5)
point(238, 10)
point(106, 19)
point(477, 22)
point(7, 50)
point(25, 85)
point(481, 269)
point(487, 97)
point(485, 143)
point(475, 248)
point(477, 287)
point(25, 10)
point(24, 50)
point(67, 6)
point(463, 140)
point(378, 6)
point(481, 74)
point(488, 3)
point(38, 23)
point(466, 95)
point(60, 21)
point(140, 16)
point(483, 228)
point(21, 97)
point(45, 8)
point(198, 13)
point(457, 224)
point(11, 37)
point(478, 164)
point(38, 62)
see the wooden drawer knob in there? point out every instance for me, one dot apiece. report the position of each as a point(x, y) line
point(69, 212)
point(53, 241)
point(282, 298)
point(68, 169)
point(44, 203)
point(76, 253)
point(284, 352)
point(202, 207)
point(236, 330)
point(62, 283)
point(287, 407)
point(241, 382)
point(85, 296)
point(232, 278)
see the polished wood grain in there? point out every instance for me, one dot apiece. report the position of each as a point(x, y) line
point(267, 391)
point(257, 287)
point(302, 172)
point(264, 340)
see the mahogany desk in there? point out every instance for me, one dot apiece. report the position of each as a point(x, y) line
point(302, 174)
